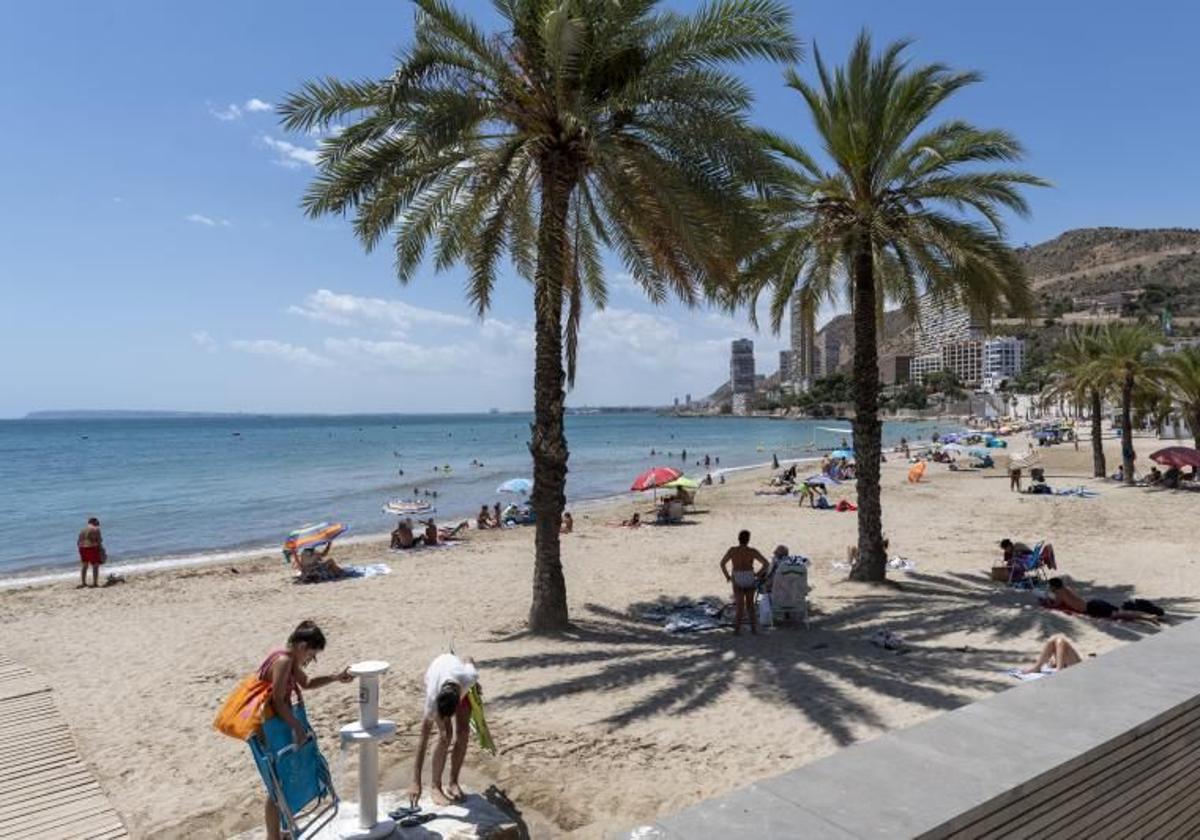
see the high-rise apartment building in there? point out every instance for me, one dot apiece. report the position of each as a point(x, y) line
point(741, 366)
point(803, 341)
point(787, 359)
point(941, 322)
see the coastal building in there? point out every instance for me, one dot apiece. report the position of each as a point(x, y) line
point(965, 360)
point(787, 360)
point(803, 342)
point(895, 369)
point(1003, 358)
point(741, 366)
point(941, 322)
point(741, 404)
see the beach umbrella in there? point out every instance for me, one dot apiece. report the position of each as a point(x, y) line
point(842, 453)
point(311, 536)
point(1177, 456)
point(953, 448)
point(654, 478)
point(821, 479)
point(516, 485)
point(683, 482)
point(978, 452)
point(996, 443)
point(949, 437)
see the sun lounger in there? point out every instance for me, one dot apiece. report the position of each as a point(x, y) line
point(297, 778)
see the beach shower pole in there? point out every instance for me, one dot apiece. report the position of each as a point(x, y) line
point(366, 734)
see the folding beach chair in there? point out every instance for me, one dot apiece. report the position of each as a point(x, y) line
point(1027, 572)
point(297, 778)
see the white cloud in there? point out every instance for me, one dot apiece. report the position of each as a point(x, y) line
point(290, 353)
point(330, 307)
point(289, 154)
point(233, 111)
point(401, 355)
point(204, 341)
point(207, 221)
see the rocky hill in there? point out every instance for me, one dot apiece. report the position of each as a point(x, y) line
point(1090, 263)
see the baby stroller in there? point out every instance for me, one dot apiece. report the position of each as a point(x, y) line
point(297, 778)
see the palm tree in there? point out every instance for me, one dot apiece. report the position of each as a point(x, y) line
point(884, 221)
point(1183, 379)
point(581, 125)
point(1124, 364)
point(1072, 365)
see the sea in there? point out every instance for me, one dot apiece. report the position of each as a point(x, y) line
point(188, 489)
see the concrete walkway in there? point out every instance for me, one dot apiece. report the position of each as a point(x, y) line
point(46, 791)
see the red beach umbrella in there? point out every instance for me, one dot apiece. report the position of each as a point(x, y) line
point(1177, 456)
point(655, 477)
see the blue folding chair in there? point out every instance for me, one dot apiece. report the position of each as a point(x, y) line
point(297, 778)
point(1028, 572)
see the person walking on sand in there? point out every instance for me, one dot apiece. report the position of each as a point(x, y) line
point(284, 669)
point(91, 552)
point(744, 579)
point(447, 681)
point(1014, 479)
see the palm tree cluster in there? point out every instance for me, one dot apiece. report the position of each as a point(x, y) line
point(1119, 363)
point(580, 127)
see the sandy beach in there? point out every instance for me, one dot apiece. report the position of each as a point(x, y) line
point(618, 721)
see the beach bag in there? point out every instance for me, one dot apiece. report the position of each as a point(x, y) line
point(242, 714)
point(821, 503)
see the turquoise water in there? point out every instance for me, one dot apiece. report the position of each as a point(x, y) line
point(181, 487)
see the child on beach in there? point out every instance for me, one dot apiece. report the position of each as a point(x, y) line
point(744, 579)
point(91, 552)
point(447, 681)
point(284, 669)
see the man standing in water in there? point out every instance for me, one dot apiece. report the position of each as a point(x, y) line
point(744, 579)
point(447, 681)
point(91, 552)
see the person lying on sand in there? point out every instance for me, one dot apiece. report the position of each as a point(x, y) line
point(744, 579)
point(447, 681)
point(1058, 653)
point(284, 669)
point(634, 521)
point(1065, 598)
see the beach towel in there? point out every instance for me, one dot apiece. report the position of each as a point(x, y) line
point(687, 616)
point(1019, 674)
point(367, 571)
point(1080, 491)
point(845, 505)
point(902, 565)
point(478, 721)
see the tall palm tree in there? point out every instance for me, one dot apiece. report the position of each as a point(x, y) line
point(1183, 379)
point(886, 217)
point(1072, 365)
point(580, 125)
point(1124, 363)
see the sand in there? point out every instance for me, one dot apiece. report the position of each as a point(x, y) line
point(617, 721)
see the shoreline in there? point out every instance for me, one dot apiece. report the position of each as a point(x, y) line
point(43, 575)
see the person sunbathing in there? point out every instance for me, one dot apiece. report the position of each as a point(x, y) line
point(311, 562)
point(1016, 552)
point(634, 521)
point(1065, 598)
point(403, 536)
point(1058, 653)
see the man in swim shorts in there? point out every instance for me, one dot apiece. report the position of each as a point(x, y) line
point(447, 681)
point(744, 579)
point(1066, 598)
point(91, 552)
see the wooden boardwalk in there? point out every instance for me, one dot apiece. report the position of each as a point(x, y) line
point(46, 791)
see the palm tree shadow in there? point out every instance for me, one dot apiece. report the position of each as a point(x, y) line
point(820, 672)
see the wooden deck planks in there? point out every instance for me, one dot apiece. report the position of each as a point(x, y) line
point(46, 791)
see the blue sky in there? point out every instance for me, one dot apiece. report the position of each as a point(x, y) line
point(152, 254)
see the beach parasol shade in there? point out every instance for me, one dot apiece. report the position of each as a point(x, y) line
point(953, 447)
point(842, 453)
point(655, 477)
point(684, 482)
point(1177, 456)
point(311, 536)
point(516, 485)
point(821, 479)
point(978, 452)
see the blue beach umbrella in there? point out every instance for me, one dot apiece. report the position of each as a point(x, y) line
point(821, 479)
point(516, 485)
point(842, 453)
point(978, 452)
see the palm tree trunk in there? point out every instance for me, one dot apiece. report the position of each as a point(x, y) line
point(871, 564)
point(548, 443)
point(1099, 468)
point(1127, 453)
